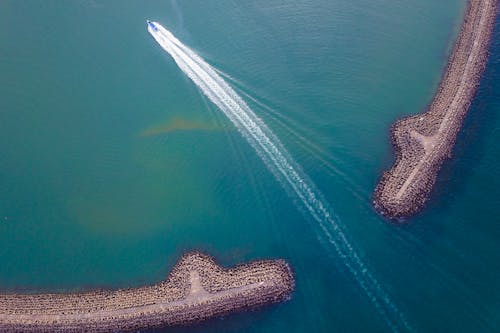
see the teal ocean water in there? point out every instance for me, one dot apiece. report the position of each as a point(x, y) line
point(113, 164)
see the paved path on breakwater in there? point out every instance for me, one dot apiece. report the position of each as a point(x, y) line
point(424, 141)
point(196, 289)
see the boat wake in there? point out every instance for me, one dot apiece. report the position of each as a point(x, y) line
point(281, 164)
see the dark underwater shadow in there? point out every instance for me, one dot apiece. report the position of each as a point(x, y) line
point(473, 138)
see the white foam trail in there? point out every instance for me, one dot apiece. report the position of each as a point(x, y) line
point(280, 163)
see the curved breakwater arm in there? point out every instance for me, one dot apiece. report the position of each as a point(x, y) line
point(196, 289)
point(422, 142)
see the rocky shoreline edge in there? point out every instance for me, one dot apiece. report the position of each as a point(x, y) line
point(196, 289)
point(424, 141)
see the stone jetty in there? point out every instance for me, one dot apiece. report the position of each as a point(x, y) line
point(196, 289)
point(423, 141)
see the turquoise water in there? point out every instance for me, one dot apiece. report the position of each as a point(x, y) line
point(113, 163)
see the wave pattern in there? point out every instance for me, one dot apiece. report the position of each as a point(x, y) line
point(281, 164)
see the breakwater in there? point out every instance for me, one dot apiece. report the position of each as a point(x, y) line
point(196, 289)
point(422, 142)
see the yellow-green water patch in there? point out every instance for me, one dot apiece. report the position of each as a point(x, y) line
point(175, 124)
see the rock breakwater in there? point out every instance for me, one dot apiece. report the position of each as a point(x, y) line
point(423, 141)
point(196, 289)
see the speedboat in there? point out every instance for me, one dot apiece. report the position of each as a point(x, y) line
point(152, 25)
